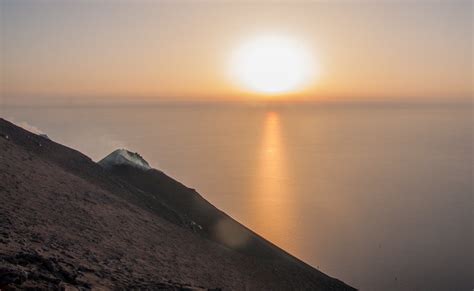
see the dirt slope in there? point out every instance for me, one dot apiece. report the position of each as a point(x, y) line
point(66, 222)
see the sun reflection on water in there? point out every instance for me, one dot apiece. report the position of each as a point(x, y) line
point(270, 216)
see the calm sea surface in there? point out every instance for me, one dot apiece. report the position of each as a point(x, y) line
point(378, 196)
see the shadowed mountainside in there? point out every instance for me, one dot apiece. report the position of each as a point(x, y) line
point(66, 221)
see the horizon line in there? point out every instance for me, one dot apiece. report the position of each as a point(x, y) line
point(246, 103)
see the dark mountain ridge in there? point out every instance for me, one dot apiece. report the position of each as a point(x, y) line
point(67, 222)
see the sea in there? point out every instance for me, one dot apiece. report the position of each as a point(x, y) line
point(379, 196)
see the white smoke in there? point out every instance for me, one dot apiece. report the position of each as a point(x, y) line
point(25, 125)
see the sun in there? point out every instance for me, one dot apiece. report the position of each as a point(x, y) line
point(272, 65)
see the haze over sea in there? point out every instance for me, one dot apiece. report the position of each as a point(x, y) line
point(379, 195)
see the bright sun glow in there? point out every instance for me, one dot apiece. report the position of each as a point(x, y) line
point(272, 65)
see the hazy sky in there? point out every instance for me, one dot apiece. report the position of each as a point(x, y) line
point(88, 51)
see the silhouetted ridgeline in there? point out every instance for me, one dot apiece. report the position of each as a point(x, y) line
point(67, 221)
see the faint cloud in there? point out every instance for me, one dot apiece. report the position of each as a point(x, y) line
point(111, 143)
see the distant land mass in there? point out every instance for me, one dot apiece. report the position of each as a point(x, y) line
point(69, 223)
